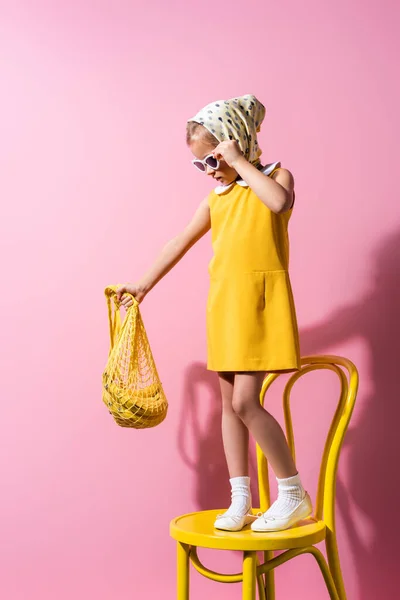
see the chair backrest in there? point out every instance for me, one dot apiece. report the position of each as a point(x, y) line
point(348, 376)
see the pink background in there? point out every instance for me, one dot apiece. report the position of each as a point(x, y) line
point(95, 178)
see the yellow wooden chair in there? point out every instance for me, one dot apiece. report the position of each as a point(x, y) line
point(196, 530)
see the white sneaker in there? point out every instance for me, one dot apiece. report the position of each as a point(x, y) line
point(233, 522)
point(274, 523)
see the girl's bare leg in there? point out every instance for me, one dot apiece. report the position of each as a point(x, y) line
point(235, 434)
point(293, 503)
point(236, 445)
point(262, 425)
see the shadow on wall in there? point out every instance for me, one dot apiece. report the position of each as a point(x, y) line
point(373, 447)
point(199, 439)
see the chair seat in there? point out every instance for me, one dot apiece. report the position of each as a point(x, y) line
point(197, 529)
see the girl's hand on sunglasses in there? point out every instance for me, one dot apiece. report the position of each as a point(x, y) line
point(229, 151)
point(130, 288)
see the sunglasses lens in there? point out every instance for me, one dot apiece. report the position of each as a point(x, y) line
point(212, 162)
point(199, 165)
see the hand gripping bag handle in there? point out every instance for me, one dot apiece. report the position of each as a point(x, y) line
point(114, 315)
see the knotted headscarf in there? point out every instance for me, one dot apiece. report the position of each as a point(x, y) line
point(236, 119)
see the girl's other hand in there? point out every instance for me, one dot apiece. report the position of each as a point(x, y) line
point(130, 288)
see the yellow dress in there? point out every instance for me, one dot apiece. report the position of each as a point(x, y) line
point(251, 318)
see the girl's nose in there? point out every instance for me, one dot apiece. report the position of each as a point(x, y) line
point(209, 170)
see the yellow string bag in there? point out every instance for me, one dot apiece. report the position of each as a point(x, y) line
point(132, 390)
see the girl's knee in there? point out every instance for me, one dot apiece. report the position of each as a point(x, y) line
point(245, 406)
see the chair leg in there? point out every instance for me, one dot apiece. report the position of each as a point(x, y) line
point(249, 576)
point(260, 584)
point(182, 571)
point(334, 564)
point(261, 588)
point(330, 584)
point(269, 578)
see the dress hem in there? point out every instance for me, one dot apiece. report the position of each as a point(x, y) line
point(255, 368)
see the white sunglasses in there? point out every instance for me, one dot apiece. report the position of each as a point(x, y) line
point(208, 161)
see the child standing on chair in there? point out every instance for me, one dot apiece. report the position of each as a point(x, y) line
point(251, 319)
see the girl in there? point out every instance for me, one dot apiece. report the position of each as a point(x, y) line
point(251, 320)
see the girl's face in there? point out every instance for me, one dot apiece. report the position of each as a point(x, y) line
point(224, 174)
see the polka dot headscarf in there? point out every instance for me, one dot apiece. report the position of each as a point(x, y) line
point(236, 119)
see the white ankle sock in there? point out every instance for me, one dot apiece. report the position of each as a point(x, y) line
point(241, 497)
point(290, 494)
